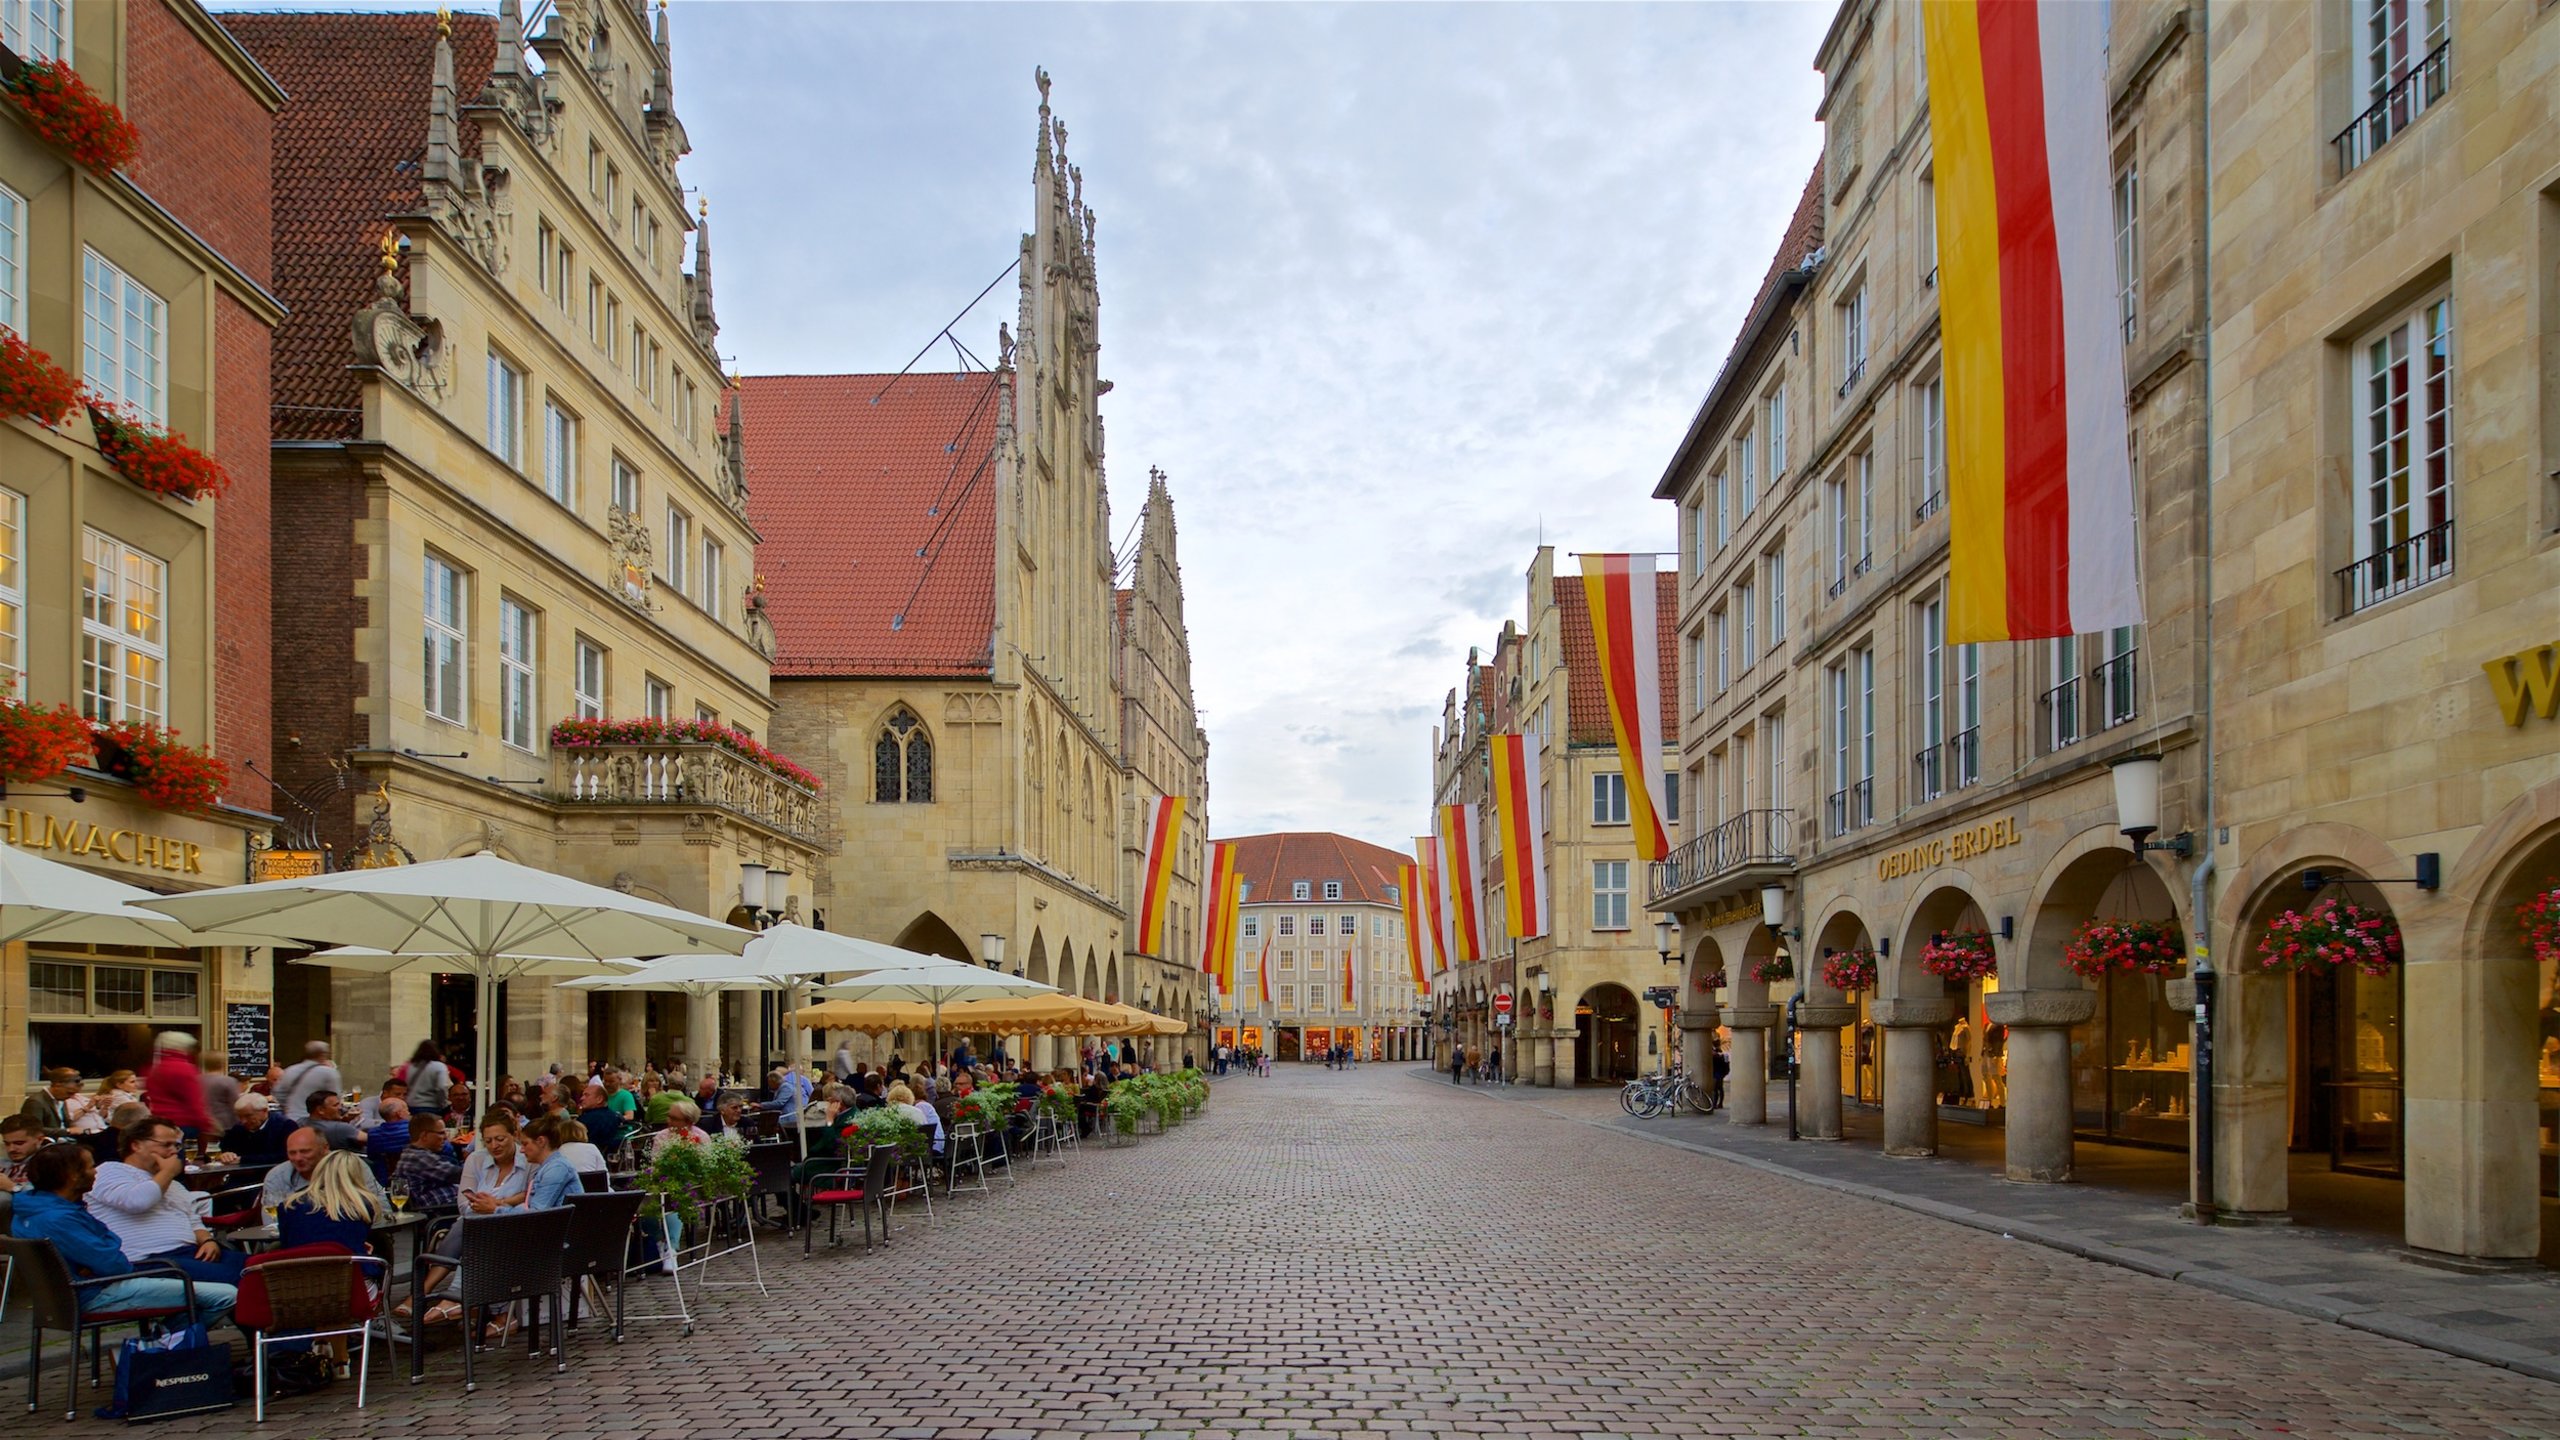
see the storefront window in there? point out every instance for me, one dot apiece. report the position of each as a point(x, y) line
point(2547, 1070)
point(2352, 1040)
point(98, 1016)
point(2130, 1065)
point(115, 990)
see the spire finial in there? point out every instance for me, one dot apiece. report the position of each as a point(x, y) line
point(702, 208)
point(444, 22)
point(390, 249)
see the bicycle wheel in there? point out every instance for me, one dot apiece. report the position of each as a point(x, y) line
point(1702, 1098)
point(1629, 1097)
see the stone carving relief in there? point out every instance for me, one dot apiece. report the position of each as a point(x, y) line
point(629, 537)
point(411, 349)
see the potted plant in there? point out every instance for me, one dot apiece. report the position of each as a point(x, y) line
point(163, 771)
point(682, 1178)
point(2333, 932)
point(1850, 971)
point(1711, 981)
point(38, 741)
point(32, 385)
point(71, 117)
point(1772, 969)
point(1125, 1103)
point(154, 457)
point(2540, 919)
point(1059, 1106)
point(2105, 945)
point(1961, 955)
point(884, 1125)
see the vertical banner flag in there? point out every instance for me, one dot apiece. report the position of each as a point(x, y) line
point(1619, 590)
point(1155, 896)
point(1262, 967)
point(1218, 938)
point(2039, 481)
point(1460, 864)
point(1231, 918)
point(1426, 854)
point(1519, 817)
point(1409, 895)
point(1351, 978)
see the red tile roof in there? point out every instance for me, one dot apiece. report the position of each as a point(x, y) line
point(1268, 863)
point(1586, 704)
point(875, 496)
point(347, 149)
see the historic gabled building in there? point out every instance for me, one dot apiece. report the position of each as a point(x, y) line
point(1163, 751)
point(150, 285)
point(1322, 909)
point(948, 664)
point(508, 511)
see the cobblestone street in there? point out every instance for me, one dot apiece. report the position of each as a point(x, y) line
point(1323, 1253)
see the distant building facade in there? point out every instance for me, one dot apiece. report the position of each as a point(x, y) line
point(1318, 905)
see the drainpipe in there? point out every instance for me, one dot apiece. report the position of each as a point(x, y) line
point(1794, 1064)
point(2201, 973)
point(2201, 967)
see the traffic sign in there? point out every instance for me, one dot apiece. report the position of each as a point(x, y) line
point(1502, 1004)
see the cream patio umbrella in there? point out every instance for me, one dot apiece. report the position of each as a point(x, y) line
point(44, 899)
point(940, 983)
point(782, 956)
point(488, 916)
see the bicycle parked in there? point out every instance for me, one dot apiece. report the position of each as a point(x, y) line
point(1669, 1091)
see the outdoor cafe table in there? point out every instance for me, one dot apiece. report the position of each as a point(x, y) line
point(208, 1179)
point(407, 1222)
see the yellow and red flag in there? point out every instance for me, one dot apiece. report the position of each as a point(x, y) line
point(1230, 908)
point(1619, 590)
point(1461, 869)
point(1519, 814)
point(1262, 967)
point(1351, 978)
point(1426, 855)
point(1217, 938)
point(2039, 481)
point(1155, 893)
point(1409, 895)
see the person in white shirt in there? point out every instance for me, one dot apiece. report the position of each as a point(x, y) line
point(311, 1075)
point(151, 1216)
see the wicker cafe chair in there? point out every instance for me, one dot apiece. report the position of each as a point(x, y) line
point(867, 1188)
point(235, 1207)
point(599, 1250)
point(296, 1295)
point(506, 1259)
point(33, 1274)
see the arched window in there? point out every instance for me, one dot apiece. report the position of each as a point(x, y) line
point(1036, 809)
point(902, 761)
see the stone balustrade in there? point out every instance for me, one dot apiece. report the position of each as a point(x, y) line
point(693, 774)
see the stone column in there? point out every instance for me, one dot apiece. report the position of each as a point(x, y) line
point(2039, 1121)
point(629, 1043)
point(1697, 1032)
point(1746, 1088)
point(1560, 1041)
point(1818, 1080)
point(701, 1034)
point(1911, 1071)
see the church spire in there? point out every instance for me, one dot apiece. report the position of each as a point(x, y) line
point(706, 322)
point(443, 163)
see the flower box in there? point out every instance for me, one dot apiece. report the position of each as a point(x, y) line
point(32, 385)
point(1961, 955)
point(589, 734)
point(1772, 969)
point(1850, 972)
point(164, 772)
point(2333, 932)
point(156, 458)
point(71, 117)
point(39, 742)
point(2105, 946)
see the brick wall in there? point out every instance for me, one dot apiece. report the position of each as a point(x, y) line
point(314, 618)
point(243, 714)
point(207, 142)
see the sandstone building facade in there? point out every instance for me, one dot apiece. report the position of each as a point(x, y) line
point(1317, 905)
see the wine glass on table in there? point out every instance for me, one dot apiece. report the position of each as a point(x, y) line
point(398, 1190)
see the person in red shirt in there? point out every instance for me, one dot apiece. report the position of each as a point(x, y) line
point(174, 1086)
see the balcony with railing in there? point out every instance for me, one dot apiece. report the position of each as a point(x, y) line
point(2396, 569)
point(2410, 96)
point(686, 775)
point(1727, 858)
point(1853, 808)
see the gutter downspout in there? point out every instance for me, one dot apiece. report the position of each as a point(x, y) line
point(2201, 968)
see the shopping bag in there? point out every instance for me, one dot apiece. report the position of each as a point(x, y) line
point(177, 1373)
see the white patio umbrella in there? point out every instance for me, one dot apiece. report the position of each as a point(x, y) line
point(936, 984)
point(44, 899)
point(781, 956)
point(478, 909)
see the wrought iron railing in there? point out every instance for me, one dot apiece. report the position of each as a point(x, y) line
point(1853, 808)
point(1964, 758)
point(1753, 837)
point(1850, 381)
point(2408, 98)
point(2397, 569)
point(2058, 711)
point(1933, 503)
point(699, 775)
point(1928, 774)
point(2112, 686)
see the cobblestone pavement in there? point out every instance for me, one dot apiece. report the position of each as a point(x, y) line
point(1324, 1254)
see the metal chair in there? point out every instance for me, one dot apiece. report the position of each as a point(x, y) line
point(599, 1250)
point(866, 1188)
point(34, 1274)
point(238, 1206)
point(772, 1165)
point(966, 1150)
point(505, 1259)
point(288, 1298)
point(1044, 1137)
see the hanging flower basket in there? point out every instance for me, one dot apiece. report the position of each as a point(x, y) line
point(156, 458)
point(1773, 969)
point(31, 384)
point(2115, 946)
point(1713, 980)
point(2333, 932)
point(37, 742)
point(1964, 955)
point(2540, 917)
point(65, 113)
point(583, 734)
point(162, 771)
point(1850, 972)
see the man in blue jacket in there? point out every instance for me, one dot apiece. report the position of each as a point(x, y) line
point(50, 1208)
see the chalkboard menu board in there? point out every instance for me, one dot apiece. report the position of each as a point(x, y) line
point(246, 1041)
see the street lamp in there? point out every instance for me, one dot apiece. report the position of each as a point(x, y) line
point(1666, 938)
point(761, 891)
point(991, 950)
point(2137, 780)
point(1773, 905)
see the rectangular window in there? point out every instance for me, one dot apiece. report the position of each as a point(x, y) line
point(564, 273)
point(713, 593)
point(1964, 760)
point(1841, 703)
point(124, 641)
point(586, 687)
point(2118, 702)
point(679, 546)
point(446, 619)
point(1865, 467)
point(704, 714)
point(1724, 649)
point(546, 253)
point(2402, 68)
point(2404, 458)
point(2128, 193)
point(595, 312)
point(1925, 240)
point(1746, 468)
point(37, 29)
point(1669, 800)
point(124, 339)
point(1773, 566)
point(13, 594)
point(658, 699)
point(1773, 740)
point(1933, 448)
point(559, 454)
point(1253, 927)
point(1693, 536)
point(1608, 894)
point(595, 169)
point(1609, 799)
point(506, 410)
point(1746, 603)
point(1315, 924)
point(517, 656)
point(1344, 924)
point(1853, 340)
point(626, 487)
point(1297, 889)
point(1724, 518)
point(13, 257)
point(1319, 997)
point(1289, 923)
point(1333, 890)
point(612, 190)
point(1928, 767)
point(1697, 669)
point(2061, 702)
point(1288, 999)
point(1835, 518)
point(1776, 406)
point(612, 326)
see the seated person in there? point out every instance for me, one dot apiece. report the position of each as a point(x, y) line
point(729, 1117)
point(259, 1137)
point(302, 1152)
point(603, 1123)
point(428, 1166)
point(51, 1208)
point(683, 1127)
point(389, 1135)
point(329, 1117)
point(339, 1207)
point(553, 1181)
point(138, 1199)
point(22, 1138)
point(902, 1098)
point(658, 1101)
point(369, 1114)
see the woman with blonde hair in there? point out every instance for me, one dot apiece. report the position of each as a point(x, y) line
point(924, 1115)
point(339, 1207)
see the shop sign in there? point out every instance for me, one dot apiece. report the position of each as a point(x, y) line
point(1743, 907)
point(2528, 679)
point(284, 864)
point(1956, 845)
point(29, 830)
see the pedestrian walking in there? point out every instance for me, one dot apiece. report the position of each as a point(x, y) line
point(1457, 1065)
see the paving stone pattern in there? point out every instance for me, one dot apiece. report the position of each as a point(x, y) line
point(1327, 1254)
